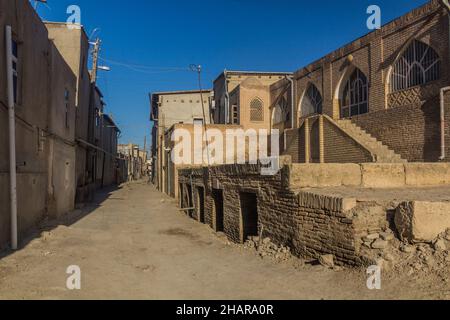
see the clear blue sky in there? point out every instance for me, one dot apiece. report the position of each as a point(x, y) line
point(168, 35)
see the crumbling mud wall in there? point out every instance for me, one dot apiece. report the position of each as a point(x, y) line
point(310, 225)
point(311, 222)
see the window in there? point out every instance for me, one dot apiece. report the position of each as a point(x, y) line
point(355, 95)
point(198, 122)
point(15, 65)
point(312, 101)
point(281, 113)
point(418, 65)
point(256, 110)
point(66, 101)
point(235, 114)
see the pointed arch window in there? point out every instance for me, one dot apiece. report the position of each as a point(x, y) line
point(418, 65)
point(281, 112)
point(355, 95)
point(312, 102)
point(256, 110)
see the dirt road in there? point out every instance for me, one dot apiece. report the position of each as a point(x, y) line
point(135, 244)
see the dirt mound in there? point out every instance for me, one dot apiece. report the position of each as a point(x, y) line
point(418, 259)
point(267, 249)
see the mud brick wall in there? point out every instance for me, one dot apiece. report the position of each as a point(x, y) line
point(311, 225)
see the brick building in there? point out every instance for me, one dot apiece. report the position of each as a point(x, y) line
point(244, 98)
point(385, 85)
point(363, 114)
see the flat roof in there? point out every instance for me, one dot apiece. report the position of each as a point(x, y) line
point(238, 72)
point(77, 26)
point(181, 92)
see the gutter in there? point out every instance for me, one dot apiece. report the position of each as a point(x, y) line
point(227, 99)
point(291, 80)
point(12, 137)
point(446, 5)
point(442, 97)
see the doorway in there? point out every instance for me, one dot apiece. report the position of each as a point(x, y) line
point(218, 209)
point(249, 212)
point(201, 204)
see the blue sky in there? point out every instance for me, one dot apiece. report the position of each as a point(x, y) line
point(150, 44)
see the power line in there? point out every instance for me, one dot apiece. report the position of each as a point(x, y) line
point(144, 68)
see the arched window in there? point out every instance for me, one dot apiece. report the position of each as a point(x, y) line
point(256, 110)
point(312, 102)
point(418, 65)
point(281, 112)
point(355, 95)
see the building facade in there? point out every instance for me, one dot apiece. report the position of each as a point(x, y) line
point(244, 98)
point(44, 98)
point(51, 93)
point(168, 109)
point(385, 85)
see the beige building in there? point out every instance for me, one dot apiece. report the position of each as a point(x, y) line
point(168, 109)
point(135, 161)
point(73, 44)
point(44, 97)
point(244, 98)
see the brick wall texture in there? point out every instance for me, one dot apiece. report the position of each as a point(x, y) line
point(406, 121)
point(310, 224)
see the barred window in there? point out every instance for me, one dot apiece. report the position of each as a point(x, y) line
point(312, 102)
point(256, 110)
point(418, 65)
point(355, 95)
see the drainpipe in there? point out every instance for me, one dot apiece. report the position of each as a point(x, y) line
point(12, 138)
point(446, 5)
point(227, 99)
point(443, 90)
point(291, 80)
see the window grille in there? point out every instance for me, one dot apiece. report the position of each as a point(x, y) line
point(312, 102)
point(355, 95)
point(256, 110)
point(418, 65)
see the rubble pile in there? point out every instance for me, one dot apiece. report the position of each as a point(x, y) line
point(396, 256)
point(266, 248)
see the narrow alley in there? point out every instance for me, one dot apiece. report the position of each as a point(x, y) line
point(135, 244)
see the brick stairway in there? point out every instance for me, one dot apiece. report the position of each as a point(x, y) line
point(380, 152)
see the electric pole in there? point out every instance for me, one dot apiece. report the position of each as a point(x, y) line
point(95, 52)
point(198, 69)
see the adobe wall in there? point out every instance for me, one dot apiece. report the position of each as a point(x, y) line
point(369, 175)
point(310, 224)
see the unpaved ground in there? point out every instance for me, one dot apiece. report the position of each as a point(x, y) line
point(135, 244)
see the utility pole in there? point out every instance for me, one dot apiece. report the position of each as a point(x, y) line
point(95, 52)
point(198, 69)
point(145, 143)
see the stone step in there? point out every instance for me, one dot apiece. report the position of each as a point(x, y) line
point(381, 152)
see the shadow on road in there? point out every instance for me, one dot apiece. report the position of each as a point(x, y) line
point(67, 219)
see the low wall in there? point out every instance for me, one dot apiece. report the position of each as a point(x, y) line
point(310, 224)
point(369, 175)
